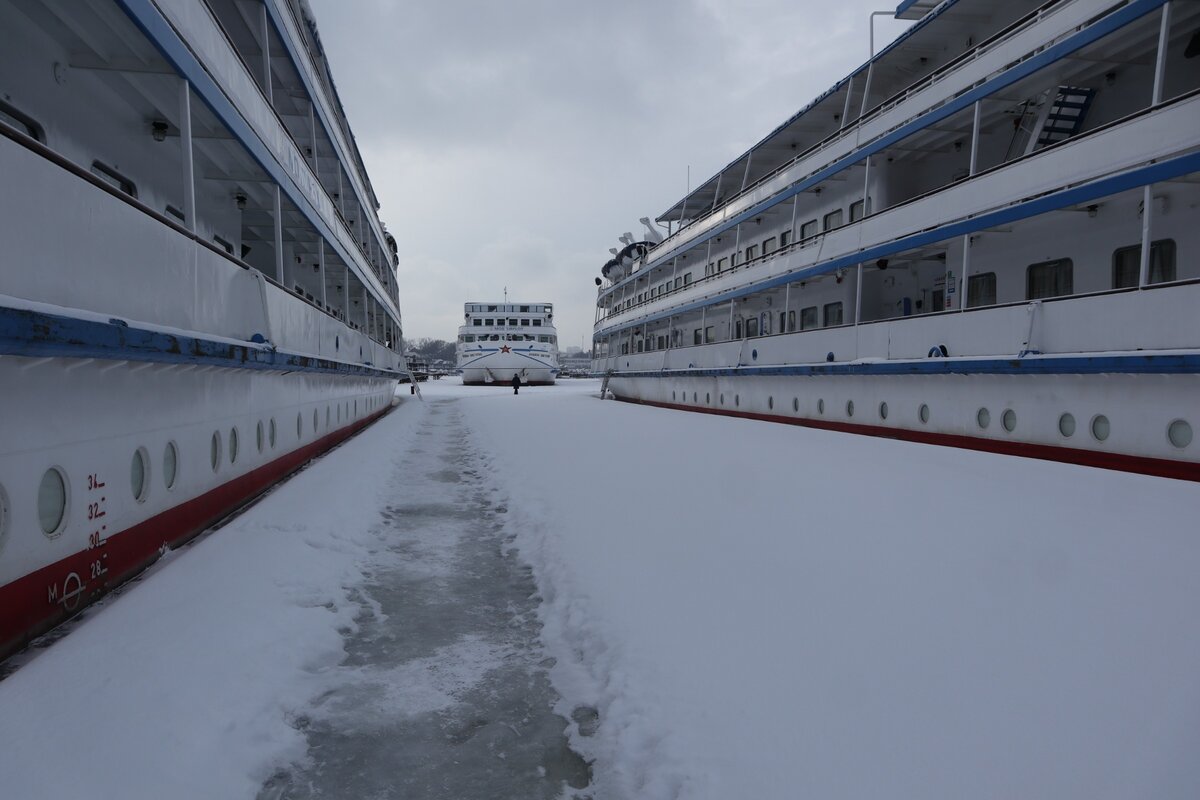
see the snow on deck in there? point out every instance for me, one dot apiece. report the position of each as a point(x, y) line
point(755, 610)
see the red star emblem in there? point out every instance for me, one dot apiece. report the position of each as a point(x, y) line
point(505, 348)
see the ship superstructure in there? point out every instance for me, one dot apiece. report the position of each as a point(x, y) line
point(499, 340)
point(986, 236)
point(196, 293)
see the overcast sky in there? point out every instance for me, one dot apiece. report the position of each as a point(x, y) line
point(510, 143)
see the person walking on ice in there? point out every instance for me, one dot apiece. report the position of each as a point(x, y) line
point(516, 383)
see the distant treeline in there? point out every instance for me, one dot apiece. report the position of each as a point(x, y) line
point(432, 349)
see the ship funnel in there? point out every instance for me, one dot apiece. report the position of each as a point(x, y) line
point(653, 234)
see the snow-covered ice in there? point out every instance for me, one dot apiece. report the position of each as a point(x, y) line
point(728, 608)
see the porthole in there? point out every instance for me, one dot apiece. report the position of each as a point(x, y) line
point(694, 397)
point(771, 403)
point(258, 436)
point(722, 398)
point(983, 418)
point(233, 445)
point(923, 413)
point(672, 395)
point(1009, 420)
point(821, 405)
point(138, 480)
point(796, 404)
point(707, 398)
point(3, 515)
point(52, 502)
point(271, 433)
point(1179, 433)
point(1100, 427)
point(849, 408)
point(737, 400)
point(170, 465)
point(299, 426)
point(883, 409)
point(215, 451)
point(1066, 425)
point(315, 418)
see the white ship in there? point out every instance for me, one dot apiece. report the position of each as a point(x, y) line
point(986, 236)
point(196, 294)
point(499, 340)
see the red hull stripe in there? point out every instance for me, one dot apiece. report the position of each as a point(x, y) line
point(40, 600)
point(1160, 467)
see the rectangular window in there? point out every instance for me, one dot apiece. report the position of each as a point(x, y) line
point(641, 346)
point(15, 118)
point(696, 336)
point(833, 314)
point(709, 334)
point(512, 322)
point(782, 322)
point(492, 309)
point(737, 329)
point(768, 245)
point(752, 327)
point(524, 323)
point(808, 318)
point(662, 342)
point(469, 338)
point(722, 264)
point(114, 178)
point(709, 269)
point(524, 309)
point(856, 210)
point(687, 279)
point(733, 260)
point(808, 229)
point(537, 323)
point(489, 322)
point(765, 325)
point(1049, 279)
point(679, 281)
point(791, 326)
point(981, 290)
point(752, 252)
point(478, 323)
point(832, 220)
point(785, 238)
point(1127, 264)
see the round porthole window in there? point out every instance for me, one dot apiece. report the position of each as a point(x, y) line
point(52, 502)
point(1066, 425)
point(258, 436)
point(983, 418)
point(1179, 433)
point(883, 410)
point(1009, 420)
point(170, 465)
point(138, 484)
point(215, 451)
point(849, 408)
point(1100, 427)
point(271, 433)
point(821, 405)
point(233, 445)
point(771, 403)
point(923, 413)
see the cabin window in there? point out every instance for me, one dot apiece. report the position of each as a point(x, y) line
point(752, 252)
point(1127, 264)
point(524, 309)
point(524, 323)
point(662, 342)
point(785, 238)
point(981, 290)
point(1049, 279)
point(752, 327)
point(495, 337)
point(737, 329)
point(15, 118)
point(709, 334)
point(832, 220)
point(808, 229)
point(833, 314)
point(696, 334)
point(679, 281)
point(768, 245)
point(722, 264)
point(791, 321)
point(492, 308)
point(765, 324)
point(641, 346)
point(808, 318)
point(478, 323)
point(114, 178)
point(470, 337)
point(856, 210)
point(687, 279)
point(782, 322)
point(624, 348)
point(537, 323)
point(709, 269)
point(513, 322)
point(489, 322)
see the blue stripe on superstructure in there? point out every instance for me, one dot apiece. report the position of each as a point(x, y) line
point(1163, 170)
point(1115, 20)
point(159, 31)
point(1137, 364)
point(36, 334)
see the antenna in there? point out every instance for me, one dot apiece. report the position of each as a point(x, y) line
point(506, 294)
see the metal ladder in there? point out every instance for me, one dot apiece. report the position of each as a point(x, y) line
point(1062, 117)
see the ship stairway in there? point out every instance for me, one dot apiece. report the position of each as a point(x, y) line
point(1062, 117)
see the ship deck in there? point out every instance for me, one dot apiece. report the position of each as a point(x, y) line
point(709, 607)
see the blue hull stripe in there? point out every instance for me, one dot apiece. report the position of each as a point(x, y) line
point(33, 334)
point(1112, 22)
point(1139, 364)
point(1161, 171)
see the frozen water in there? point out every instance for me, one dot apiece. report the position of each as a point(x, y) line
point(445, 691)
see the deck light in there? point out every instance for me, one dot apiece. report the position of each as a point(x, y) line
point(240, 200)
point(158, 129)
